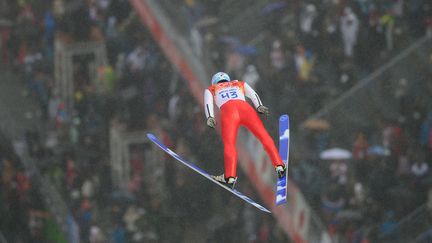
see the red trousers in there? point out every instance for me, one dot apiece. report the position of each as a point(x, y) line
point(233, 114)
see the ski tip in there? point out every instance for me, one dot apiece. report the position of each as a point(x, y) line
point(151, 136)
point(263, 209)
point(266, 210)
point(283, 117)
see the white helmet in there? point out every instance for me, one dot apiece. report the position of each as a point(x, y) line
point(220, 76)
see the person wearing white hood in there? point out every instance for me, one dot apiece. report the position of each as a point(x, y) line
point(349, 25)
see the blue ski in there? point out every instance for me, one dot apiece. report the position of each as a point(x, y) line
point(281, 190)
point(203, 173)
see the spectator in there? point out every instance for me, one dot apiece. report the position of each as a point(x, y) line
point(338, 171)
point(388, 22)
point(308, 19)
point(49, 24)
point(359, 151)
point(119, 234)
point(349, 25)
point(426, 136)
point(419, 169)
point(277, 56)
point(304, 62)
point(136, 60)
point(251, 75)
point(96, 235)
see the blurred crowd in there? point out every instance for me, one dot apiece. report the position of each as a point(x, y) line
point(162, 203)
point(24, 216)
point(312, 51)
point(367, 195)
point(15, 190)
point(309, 51)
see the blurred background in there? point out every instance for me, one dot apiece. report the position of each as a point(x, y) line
point(83, 81)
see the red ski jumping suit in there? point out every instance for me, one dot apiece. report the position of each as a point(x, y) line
point(236, 111)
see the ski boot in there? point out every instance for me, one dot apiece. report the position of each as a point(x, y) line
point(280, 170)
point(229, 182)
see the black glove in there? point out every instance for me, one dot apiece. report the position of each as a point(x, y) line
point(211, 122)
point(263, 110)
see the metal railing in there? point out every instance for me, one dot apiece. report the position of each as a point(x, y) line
point(412, 228)
point(380, 95)
point(53, 202)
point(376, 76)
point(2, 238)
point(7, 124)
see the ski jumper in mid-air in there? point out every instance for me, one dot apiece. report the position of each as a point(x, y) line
point(229, 95)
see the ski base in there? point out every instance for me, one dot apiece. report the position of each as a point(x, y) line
point(204, 173)
point(281, 188)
